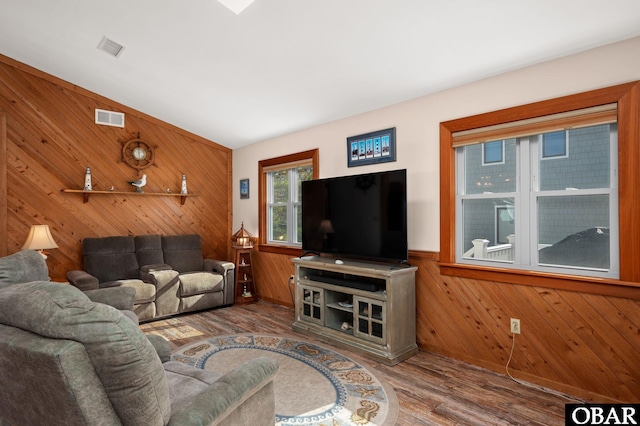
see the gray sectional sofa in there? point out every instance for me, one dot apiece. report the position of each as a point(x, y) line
point(65, 360)
point(169, 273)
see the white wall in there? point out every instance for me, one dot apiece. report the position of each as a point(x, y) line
point(417, 130)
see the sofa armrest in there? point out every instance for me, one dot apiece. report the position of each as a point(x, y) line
point(219, 266)
point(227, 270)
point(120, 298)
point(229, 392)
point(156, 267)
point(161, 346)
point(83, 280)
point(159, 277)
point(167, 285)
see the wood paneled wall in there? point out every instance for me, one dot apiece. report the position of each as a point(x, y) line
point(272, 277)
point(585, 344)
point(51, 137)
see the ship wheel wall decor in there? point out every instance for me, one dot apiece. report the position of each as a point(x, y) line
point(138, 153)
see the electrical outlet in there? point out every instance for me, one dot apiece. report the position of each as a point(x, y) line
point(515, 325)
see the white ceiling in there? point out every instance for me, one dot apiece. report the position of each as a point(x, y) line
point(284, 65)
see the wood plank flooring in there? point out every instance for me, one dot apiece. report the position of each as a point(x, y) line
point(431, 389)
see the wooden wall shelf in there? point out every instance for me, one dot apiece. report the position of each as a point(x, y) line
point(183, 197)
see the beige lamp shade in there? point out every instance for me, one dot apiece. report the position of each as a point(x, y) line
point(39, 239)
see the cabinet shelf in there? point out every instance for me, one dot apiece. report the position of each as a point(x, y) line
point(367, 307)
point(86, 194)
point(244, 285)
point(338, 327)
point(340, 308)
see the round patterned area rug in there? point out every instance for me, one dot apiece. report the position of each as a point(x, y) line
point(314, 385)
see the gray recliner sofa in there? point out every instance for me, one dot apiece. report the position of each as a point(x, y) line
point(169, 273)
point(65, 360)
point(27, 265)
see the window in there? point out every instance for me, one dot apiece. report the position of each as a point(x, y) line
point(505, 224)
point(548, 197)
point(554, 144)
point(280, 180)
point(284, 210)
point(563, 214)
point(493, 152)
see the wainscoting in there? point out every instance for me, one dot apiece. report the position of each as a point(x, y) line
point(584, 344)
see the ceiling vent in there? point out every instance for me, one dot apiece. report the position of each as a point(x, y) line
point(110, 47)
point(109, 118)
point(236, 6)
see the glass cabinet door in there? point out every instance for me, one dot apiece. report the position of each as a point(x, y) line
point(370, 319)
point(311, 304)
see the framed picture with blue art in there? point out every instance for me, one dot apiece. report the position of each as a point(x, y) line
point(244, 188)
point(371, 148)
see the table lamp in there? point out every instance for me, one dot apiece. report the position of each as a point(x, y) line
point(39, 239)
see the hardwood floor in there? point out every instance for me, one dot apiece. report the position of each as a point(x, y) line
point(431, 389)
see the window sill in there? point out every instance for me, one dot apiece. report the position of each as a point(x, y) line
point(602, 286)
point(278, 249)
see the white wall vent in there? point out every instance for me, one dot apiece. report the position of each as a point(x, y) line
point(109, 118)
point(110, 47)
point(236, 6)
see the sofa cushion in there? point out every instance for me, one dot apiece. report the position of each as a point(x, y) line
point(242, 396)
point(123, 358)
point(110, 258)
point(145, 311)
point(200, 282)
point(145, 292)
point(198, 302)
point(23, 267)
point(183, 252)
point(119, 297)
point(148, 250)
point(186, 382)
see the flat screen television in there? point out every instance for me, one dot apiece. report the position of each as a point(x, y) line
point(363, 216)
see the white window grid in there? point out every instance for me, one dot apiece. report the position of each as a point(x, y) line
point(526, 224)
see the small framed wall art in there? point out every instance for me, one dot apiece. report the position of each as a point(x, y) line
point(244, 188)
point(373, 147)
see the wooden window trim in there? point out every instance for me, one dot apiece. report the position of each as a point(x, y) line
point(263, 166)
point(627, 98)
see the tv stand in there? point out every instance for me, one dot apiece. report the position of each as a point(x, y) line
point(364, 306)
